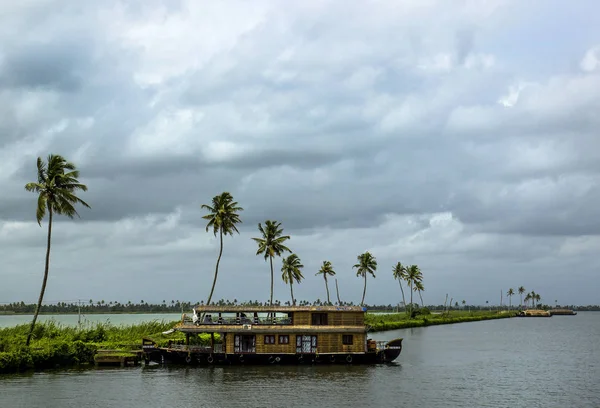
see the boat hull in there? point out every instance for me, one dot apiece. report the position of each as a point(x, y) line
point(163, 355)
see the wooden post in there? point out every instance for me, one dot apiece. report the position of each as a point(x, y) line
point(212, 342)
point(187, 340)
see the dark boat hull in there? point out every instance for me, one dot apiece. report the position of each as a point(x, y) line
point(164, 355)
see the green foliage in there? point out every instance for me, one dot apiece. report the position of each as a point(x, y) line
point(394, 321)
point(55, 345)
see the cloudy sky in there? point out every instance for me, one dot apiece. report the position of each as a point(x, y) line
point(461, 136)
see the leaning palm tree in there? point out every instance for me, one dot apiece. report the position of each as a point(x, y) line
point(510, 294)
point(367, 264)
point(399, 272)
point(527, 299)
point(326, 269)
point(271, 244)
point(56, 187)
point(291, 271)
point(420, 289)
point(521, 290)
point(413, 275)
point(222, 218)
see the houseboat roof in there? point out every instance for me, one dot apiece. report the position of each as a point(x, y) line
point(284, 309)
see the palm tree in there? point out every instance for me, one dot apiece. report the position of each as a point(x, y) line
point(222, 218)
point(420, 289)
point(326, 269)
point(538, 298)
point(367, 264)
point(510, 293)
point(271, 244)
point(521, 290)
point(337, 291)
point(527, 298)
point(399, 272)
point(413, 275)
point(532, 298)
point(56, 187)
point(291, 271)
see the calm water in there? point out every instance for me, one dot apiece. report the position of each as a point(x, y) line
point(551, 362)
point(71, 320)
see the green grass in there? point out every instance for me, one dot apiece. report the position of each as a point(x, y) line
point(382, 322)
point(56, 345)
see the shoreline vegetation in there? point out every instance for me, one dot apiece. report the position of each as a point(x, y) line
point(59, 346)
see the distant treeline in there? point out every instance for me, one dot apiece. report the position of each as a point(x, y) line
point(176, 306)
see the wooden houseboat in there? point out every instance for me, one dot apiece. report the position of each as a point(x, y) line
point(275, 335)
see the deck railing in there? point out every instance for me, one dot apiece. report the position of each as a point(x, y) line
point(240, 321)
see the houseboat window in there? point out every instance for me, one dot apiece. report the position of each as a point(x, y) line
point(347, 339)
point(319, 319)
point(270, 339)
point(284, 339)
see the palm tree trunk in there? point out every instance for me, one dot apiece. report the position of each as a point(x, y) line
point(362, 303)
point(271, 301)
point(326, 288)
point(411, 299)
point(216, 268)
point(39, 304)
point(337, 291)
point(292, 292)
point(421, 297)
point(403, 299)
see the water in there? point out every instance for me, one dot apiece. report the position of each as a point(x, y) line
point(532, 362)
point(72, 319)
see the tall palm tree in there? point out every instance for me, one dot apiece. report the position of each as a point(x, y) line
point(532, 298)
point(538, 298)
point(337, 291)
point(527, 299)
point(521, 290)
point(222, 218)
point(413, 275)
point(291, 271)
point(399, 272)
point(420, 289)
point(326, 269)
point(56, 187)
point(367, 264)
point(271, 244)
point(510, 293)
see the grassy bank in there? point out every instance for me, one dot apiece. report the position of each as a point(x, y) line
point(395, 321)
point(55, 345)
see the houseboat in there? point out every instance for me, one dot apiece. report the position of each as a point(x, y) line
point(274, 335)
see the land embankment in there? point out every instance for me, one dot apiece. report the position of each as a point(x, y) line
point(395, 321)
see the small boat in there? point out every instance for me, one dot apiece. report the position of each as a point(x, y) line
point(534, 313)
point(562, 312)
point(274, 335)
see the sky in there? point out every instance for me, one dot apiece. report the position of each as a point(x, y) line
point(460, 136)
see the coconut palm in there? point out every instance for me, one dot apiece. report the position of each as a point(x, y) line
point(420, 289)
point(510, 293)
point(222, 218)
point(367, 264)
point(291, 271)
point(326, 269)
point(413, 275)
point(532, 298)
point(521, 290)
point(527, 299)
point(271, 244)
point(56, 186)
point(399, 272)
point(337, 291)
point(538, 298)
